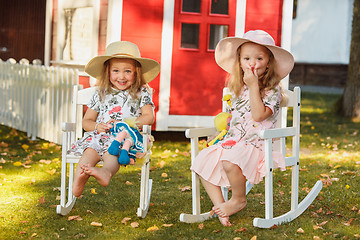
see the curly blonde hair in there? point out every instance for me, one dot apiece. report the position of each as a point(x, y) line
point(267, 81)
point(105, 86)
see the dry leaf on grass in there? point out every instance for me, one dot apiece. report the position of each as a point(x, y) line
point(186, 188)
point(201, 226)
point(128, 183)
point(253, 238)
point(300, 230)
point(77, 218)
point(93, 191)
point(349, 222)
point(96, 224)
point(243, 229)
point(125, 220)
point(42, 200)
point(152, 229)
point(134, 224)
point(167, 225)
point(161, 164)
point(164, 175)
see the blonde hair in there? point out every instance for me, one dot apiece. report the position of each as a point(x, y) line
point(105, 86)
point(267, 81)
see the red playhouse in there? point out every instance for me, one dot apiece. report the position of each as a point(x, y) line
point(180, 34)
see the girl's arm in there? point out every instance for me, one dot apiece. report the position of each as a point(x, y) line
point(89, 122)
point(147, 116)
point(258, 110)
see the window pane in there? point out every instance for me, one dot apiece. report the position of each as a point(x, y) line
point(189, 35)
point(191, 6)
point(217, 32)
point(78, 36)
point(220, 7)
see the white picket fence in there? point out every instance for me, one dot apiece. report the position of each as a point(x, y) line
point(36, 99)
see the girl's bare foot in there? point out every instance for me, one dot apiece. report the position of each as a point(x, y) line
point(225, 221)
point(229, 208)
point(79, 184)
point(103, 177)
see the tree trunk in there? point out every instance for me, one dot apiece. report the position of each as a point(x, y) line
point(351, 97)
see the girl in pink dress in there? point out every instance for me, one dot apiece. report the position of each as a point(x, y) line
point(256, 67)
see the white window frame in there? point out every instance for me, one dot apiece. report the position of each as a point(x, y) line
point(63, 4)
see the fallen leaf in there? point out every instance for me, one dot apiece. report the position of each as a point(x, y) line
point(315, 227)
point(316, 238)
point(273, 226)
point(161, 164)
point(201, 226)
point(41, 200)
point(186, 188)
point(253, 238)
point(45, 161)
point(164, 175)
point(323, 223)
point(125, 220)
point(17, 164)
point(349, 222)
point(88, 211)
point(33, 235)
point(77, 218)
point(167, 225)
point(4, 145)
point(128, 183)
point(134, 224)
point(25, 146)
point(337, 166)
point(300, 230)
point(243, 229)
point(51, 172)
point(152, 229)
point(93, 191)
point(216, 231)
point(96, 224)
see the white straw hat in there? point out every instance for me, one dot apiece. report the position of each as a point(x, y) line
point(123, 49)
point(225, 52)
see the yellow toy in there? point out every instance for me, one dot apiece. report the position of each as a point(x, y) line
point(222, 123)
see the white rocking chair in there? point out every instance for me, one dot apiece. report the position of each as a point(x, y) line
point(73, 131)
point(279, 134)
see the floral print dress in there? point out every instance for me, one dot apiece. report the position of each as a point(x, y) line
point(117, 105)
point(242, 145)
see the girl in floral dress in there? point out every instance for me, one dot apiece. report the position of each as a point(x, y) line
point(256, 67)
point(122, 78)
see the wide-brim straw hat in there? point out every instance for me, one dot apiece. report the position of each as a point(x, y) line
point(123, 49)
point(226, 49)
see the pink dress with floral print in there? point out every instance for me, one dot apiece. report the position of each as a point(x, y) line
point(117, 105)
point(242, 145)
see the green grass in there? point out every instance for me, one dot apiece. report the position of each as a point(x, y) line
point(329, 151)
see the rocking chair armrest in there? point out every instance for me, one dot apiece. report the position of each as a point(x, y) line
point(68, 127)
point(146, 129)
point(199, 132)
point(277, 133)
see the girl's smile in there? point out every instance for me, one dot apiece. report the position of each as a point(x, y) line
point(122, 73)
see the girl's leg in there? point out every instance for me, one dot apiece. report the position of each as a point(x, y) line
point(103, 175)
point(238, 185)
point(89, 158)
point(124, 153)
point(114, 148)
point(216, 197)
